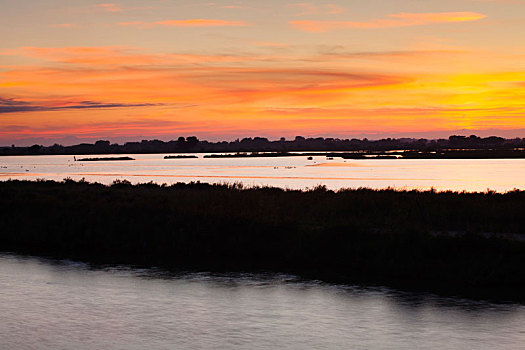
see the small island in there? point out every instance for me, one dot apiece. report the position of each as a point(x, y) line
point(180, 157)
point(103, 159)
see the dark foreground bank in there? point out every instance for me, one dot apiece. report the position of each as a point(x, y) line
point(460, 243)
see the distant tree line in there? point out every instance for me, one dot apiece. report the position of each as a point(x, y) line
point(260, 144)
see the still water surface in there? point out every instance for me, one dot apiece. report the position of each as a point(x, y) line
point(66, 305)
point(286, 172)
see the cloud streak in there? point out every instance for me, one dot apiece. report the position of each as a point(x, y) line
point(96, 56)
point(10, 105)
point(108, 7)
point(308, 9)
point(393, 21)
point(63, 25)
point(199, 22)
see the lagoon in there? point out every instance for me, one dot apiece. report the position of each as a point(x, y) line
point(286, 172)
point(61, 304)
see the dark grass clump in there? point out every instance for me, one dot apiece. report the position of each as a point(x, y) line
point(466, 243)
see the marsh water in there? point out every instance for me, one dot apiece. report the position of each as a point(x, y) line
point(287, 172)
point(47, 304)
point(57, 305)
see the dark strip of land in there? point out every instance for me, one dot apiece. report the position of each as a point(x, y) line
point(103, 159)
point(443, 154)
point(471, 244)
point(180, 157)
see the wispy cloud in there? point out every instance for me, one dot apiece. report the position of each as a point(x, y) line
point(187, 23)
point(115, 56)
point(63, 25)
point(108, 7)
point(307, 8)
point(10, 105)
point(394, 20)
point(271, 44)
point(115, 8)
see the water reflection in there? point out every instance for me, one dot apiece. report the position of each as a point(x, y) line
point(288, 172)
point(64, 304)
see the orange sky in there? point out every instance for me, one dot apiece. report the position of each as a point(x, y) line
point(162, 69)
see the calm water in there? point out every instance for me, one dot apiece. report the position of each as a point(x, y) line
point(287, 172)
point(66, 305)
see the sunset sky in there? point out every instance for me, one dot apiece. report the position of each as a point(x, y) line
point(80, 70)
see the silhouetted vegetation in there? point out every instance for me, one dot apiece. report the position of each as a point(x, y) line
point(253, 155)
point(261, 144)
point(465, 154)
point(467, 243)
point(103, 159)
point(442, 154)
